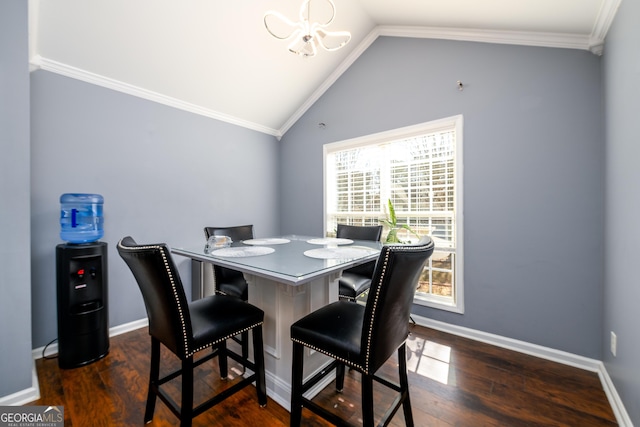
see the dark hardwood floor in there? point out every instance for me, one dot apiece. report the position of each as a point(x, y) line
point(454, 382)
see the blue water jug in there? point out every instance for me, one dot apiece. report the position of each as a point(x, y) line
point(81, 218)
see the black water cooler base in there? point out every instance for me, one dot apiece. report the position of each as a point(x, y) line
point(83, 320)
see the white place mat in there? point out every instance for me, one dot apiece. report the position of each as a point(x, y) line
point(340, 253)
point(240, 251)
point(330, 241)
point(270, 241)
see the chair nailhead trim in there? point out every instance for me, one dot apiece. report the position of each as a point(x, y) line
point(173, 289)
point(185, 338)
point(187, 352)
point(385, 263)
point(224, 339)
point(345, 361)
point(366, 367)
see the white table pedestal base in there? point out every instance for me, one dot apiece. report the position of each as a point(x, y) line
point(283, 305)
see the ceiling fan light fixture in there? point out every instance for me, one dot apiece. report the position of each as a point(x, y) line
point(279, 26)
point(306, 36)
point(332, 40)
point(303, 45)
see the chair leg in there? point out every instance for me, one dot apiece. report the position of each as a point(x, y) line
point(339, 377)
point(367, 400)
point(404, 384)
point(296, 385)
point(245, 344)
point(258, 357)
point(186, 409)
point(154, 373)
point(222, 360)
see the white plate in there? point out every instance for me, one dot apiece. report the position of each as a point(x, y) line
point(240, 251)
point(340, 253)
point(271, 241)
point(330, 241)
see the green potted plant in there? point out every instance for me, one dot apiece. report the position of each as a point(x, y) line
point(392, 222)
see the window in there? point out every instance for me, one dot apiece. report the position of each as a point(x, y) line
point(418, 168)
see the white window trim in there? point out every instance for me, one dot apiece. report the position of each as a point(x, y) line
point(406, 132)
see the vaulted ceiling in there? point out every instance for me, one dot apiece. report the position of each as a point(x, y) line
point(215, 58)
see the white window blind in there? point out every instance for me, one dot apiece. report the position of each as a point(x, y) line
point(419, 170)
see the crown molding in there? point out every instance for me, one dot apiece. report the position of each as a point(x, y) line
point(555, 40)
point(605, 17)
point(593, 43)
point(38, 62)
point(335, 75)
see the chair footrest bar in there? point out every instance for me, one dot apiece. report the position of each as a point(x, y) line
point(223, 395)
point(319, 410)
point(320, 375)
point(168, 401)
point(393, 386)
point(246, 363)
point(176, 374)
point(397, 403)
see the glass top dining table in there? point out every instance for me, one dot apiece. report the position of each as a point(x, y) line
point(287, 277)
point(290, 259)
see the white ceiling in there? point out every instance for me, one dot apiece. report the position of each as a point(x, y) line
point(215, 58)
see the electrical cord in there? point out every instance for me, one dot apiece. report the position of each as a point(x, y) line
point(45, 349)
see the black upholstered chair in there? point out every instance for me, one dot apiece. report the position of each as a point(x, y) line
point(356, 280)
point(363, 337)
point(228, 281)
point(186, 328)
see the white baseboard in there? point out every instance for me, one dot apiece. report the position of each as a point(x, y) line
point(128, 327)
point(32, 393)
point(25, 396)
point(614, 399)
point(593, 365)
point(36, 353)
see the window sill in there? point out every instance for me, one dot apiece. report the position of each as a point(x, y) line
point(439, 305)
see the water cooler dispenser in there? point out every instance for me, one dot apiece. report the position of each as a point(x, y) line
point(82, 291)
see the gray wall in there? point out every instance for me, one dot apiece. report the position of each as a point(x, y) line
point(164, 174)
point(15, 275)
point(621, 290)
point(534, 166)
point(533, 174)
